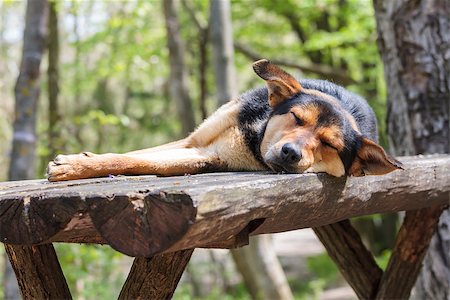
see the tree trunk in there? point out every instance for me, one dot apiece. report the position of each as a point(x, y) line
point(203, 33)
point(261, 270)
point(221, 34)
point(27, 89)
point(414, 41)
point(178, 84)
point(54, 138)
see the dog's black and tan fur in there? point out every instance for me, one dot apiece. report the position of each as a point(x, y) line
point(289, 126)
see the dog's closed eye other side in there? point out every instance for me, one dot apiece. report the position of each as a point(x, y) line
point(288, 126)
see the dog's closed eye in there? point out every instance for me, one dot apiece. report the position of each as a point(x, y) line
point(299, 121)
point(327, 144)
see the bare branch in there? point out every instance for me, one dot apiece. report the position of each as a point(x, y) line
point(326, 72)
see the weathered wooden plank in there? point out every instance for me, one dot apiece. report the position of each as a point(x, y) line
point(38, 272)
point(155, 277)
point(207, 210)
point(410, 248)
point(355, 261)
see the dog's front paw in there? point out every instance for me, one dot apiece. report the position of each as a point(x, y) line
point(68, 167)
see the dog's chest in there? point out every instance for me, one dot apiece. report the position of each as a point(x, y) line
point(232, 148)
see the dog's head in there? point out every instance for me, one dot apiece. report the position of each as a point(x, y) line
point(310, 131)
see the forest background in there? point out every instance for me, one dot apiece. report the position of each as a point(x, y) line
point(114, 91)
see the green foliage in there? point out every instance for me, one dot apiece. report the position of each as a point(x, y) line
point(325, 271)
point(340, 34)
point(92, 271)
point(383, 259)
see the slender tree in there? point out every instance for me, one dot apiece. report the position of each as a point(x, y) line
point(54, 138)
point(414, 42)
point(203, 33)
point(178, 85)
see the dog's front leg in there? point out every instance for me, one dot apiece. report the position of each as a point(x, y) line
point(165, 163)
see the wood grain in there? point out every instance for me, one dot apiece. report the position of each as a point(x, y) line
point(155, 277)
point(145, 215)
point(410, 248)
point(38, 272)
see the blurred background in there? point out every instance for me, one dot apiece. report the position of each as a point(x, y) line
point(106, 85)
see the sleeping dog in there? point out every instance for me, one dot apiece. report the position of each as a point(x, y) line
point(288, 126)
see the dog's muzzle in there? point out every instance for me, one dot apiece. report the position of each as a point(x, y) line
point(286, 160)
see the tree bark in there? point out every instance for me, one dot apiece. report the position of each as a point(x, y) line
point(178, 84)
point(221, 35)
point(414, 41)
point(54, 138)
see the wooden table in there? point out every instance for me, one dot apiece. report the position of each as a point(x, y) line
point(161, 220)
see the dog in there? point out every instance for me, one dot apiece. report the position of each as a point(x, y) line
point(289, 126)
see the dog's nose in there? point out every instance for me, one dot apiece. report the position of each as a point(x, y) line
point(290, 153)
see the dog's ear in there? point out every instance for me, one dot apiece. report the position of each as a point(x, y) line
point(372, 160)
point(280, 84)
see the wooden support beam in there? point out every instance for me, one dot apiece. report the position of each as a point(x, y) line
point(155, 277)
point(38, 272)
point(354, 261)
point(155, 215)
point(410, 248)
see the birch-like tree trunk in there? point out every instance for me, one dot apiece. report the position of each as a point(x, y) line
point(414, 41)
point(178, 84)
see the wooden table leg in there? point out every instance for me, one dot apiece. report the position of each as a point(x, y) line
point(155, 277)
point(353, 259)
point(38, 272)
point(410, 248)
point(357, 265)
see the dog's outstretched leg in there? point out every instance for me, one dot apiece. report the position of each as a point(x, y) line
point(178, 161)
